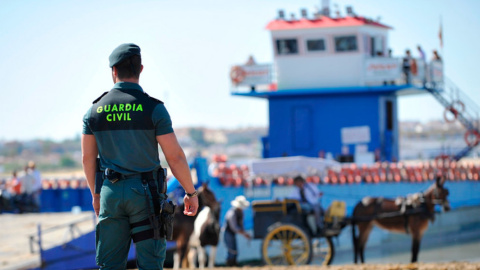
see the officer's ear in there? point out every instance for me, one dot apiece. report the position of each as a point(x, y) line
point(114, 71)
point(141, 68)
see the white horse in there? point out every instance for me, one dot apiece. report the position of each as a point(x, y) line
point(206, 232)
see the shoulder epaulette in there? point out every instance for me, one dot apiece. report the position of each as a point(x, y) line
point(157, 100)
point(100, 97)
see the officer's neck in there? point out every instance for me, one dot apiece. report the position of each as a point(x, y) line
point(130, 80)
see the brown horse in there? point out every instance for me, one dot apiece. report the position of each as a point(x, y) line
point(404, 215)
point(183, 225)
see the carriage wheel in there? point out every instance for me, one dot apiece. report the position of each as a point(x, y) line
point(286, 244)
point(323, 250)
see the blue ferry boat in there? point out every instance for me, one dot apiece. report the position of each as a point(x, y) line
point(332, 91)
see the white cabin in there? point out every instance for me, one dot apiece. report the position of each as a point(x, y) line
point(326, 52)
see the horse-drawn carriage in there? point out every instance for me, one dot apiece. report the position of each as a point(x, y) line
point(290, 235)
point(291, 238)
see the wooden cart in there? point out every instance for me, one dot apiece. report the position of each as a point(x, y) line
point(289, 235)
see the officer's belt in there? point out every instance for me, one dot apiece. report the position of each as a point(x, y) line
point(144, 175)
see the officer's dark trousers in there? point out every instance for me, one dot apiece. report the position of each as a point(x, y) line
point(121, 204)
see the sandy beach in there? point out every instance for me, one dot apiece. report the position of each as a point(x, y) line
point(16, 229)
point(414, 266)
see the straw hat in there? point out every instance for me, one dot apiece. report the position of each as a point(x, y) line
point(240, 202)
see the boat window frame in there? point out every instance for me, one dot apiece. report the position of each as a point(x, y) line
point(357, 45)
point(277, 52)
point(314, 38)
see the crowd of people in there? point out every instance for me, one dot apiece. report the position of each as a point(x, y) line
point(409, 64)
point(21, 193)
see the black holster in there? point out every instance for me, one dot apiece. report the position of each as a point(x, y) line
point(162, 217)
point(166, 217)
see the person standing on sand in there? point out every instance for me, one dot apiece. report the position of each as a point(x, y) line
point(233, 226)
point(124, 127)
point(37, 188)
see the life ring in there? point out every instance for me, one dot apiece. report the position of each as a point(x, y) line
point(468, 137)
point(237, 74)
point(413, 67)
point(446, 112)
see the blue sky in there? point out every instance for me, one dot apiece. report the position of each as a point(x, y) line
point(55, 55)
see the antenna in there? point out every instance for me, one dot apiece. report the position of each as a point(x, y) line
point(337, 11)
point(350, 11)
point(304, 13)
point(326, 8)
point(292, 17)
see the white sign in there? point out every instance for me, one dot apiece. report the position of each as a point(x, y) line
point(382, 69)
point(354, 135)
point(361, 148)
point(249, 75)
point(436, 71)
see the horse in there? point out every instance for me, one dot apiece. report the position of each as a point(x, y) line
point(408, 215)
point(184, 225)
point(206, 233)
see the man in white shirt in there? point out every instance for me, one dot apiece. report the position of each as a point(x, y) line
point(308, 195)
point(37, 187)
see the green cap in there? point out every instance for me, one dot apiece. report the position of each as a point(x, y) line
point(123, 52)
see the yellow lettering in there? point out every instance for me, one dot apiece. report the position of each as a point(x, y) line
point(107, 108)
point(128, 107)
point(120, 107)
point(119, 116)
point(114, 108)
point(109, 117)
point(99, 109)
point(139, 108)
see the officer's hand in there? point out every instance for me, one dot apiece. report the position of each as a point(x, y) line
point(96, 203)
point(191, 205)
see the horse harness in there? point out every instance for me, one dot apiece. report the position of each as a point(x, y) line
point(412, 204)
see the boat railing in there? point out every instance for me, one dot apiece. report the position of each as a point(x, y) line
point(377, 71)
point(72, 231)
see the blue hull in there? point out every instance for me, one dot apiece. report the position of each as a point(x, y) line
point(80, 253)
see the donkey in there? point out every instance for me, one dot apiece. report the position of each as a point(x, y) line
point(404, 215)
point(184, 225)
point(206, 233)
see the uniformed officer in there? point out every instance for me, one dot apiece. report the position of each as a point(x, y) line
point(124, 127)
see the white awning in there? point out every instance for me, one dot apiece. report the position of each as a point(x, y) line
point(271, 168)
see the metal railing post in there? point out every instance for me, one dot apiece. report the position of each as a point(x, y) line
point(39, 235)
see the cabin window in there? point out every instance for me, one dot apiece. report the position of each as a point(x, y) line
point(287, 46)
point(376, 47)
point(316, 45)
point(345, 43)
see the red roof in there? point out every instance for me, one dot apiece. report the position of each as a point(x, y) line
point(323, 22)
